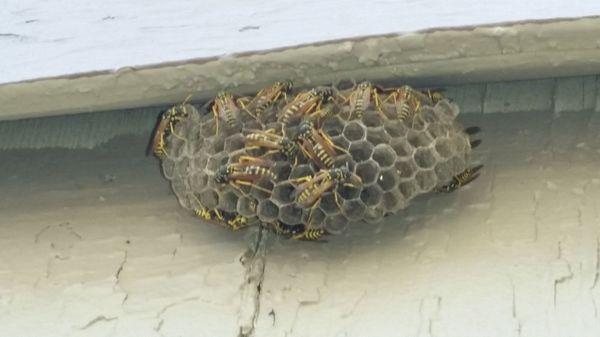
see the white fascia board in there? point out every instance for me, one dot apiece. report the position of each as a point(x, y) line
point(60, 37)
point(525, 50)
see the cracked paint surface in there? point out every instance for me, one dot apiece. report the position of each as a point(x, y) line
point(86, 256)
point(516, 253)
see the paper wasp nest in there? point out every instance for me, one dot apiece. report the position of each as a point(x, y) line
point(396, 160)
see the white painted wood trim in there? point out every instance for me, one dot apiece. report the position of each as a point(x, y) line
point(433, 57)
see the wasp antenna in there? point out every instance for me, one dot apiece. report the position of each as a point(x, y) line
point(187, 99)
point(207, 107)
point(475, 143)
point(471, 130)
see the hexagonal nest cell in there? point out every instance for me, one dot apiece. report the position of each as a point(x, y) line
point(320, 160)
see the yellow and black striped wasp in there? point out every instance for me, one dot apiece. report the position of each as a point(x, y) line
point(269, 96)
point(299, 232)
point(311, 234)
point(272, 142)
point(434, 95)
point(227, 108)
point(166, 127)
point(305, 104)
point(317, 145)
point(406, 102)
point(213, 216)
point(311, 188)
point(237, 222)
point(361, 97)
point(232, 221)
point(246, 172)
point(217, 217)
point(461, 179)
point(285, 230)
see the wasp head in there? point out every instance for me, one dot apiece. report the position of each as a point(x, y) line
point(436, 96)
point(170, 114)
point(340, 173)
point(285, 85)
point(448, 188)
point(305, 129)
point(288, 147)
point(364, 85)
point(222, 174)
point(223, 97)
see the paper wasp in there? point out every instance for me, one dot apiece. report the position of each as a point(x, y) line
point(237, 222)
point(299, 232)
point(271, 141)
point(311, 234)
point(316, 145)
point(247, 172)
point(217, 217)
point(304, 104)
point(287, 230)
point(360, 99)
point(166, 126)
point(311, 188)
point(213, 216)
point(233, 221)
point(227, 108)
point(406, 102)
point(268, 96)
point(461, 179)
point(434, 96)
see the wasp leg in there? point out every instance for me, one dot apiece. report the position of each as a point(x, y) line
point(298, 180)
point(390, 96)
point(340, 96)
point(216, 118)
point(243, 106)
point(337, 201)
point(415, 113)
point(312, 211)
point(172, 129)
point(219, 215)
point(246, 183)
point(315, 106)
point(332, 144)
point(378, 105)
point(271, 152)
point(351, 111)
point(285, 98)
point(238, 188)
point(252, 148)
